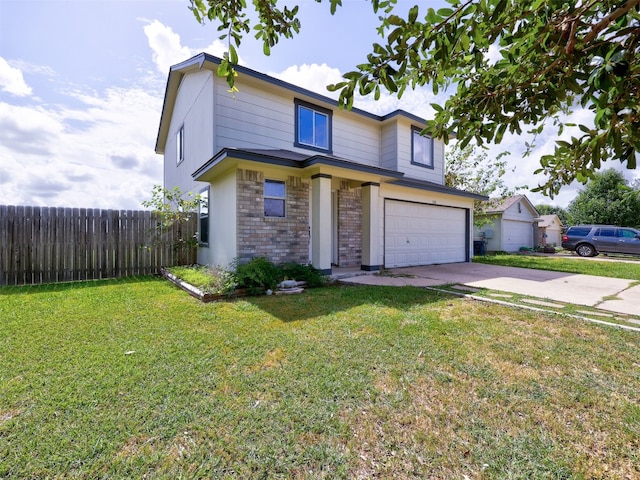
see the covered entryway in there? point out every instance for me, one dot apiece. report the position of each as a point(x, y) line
point(423, 234)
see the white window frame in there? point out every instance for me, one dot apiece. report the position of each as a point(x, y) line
point(282, 198)
point(423, 156)
point(180, 145)
point(315, 110)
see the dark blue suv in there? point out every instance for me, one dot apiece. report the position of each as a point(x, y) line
point(590, 240)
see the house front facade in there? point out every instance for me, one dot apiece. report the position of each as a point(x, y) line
point(289, 176)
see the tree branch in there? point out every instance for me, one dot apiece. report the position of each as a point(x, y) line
point(612, 17)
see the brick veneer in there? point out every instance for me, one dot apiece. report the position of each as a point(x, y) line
point(350, 227)
point(278, 239)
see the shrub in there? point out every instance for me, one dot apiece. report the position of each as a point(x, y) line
point(257, 275)
point(304, 273)
point(223, 281)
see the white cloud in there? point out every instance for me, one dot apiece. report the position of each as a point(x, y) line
point(168, 50)
point(98, 154)
point(28, 129)
point(313, 77)
point(166, 47)
point(12, 80)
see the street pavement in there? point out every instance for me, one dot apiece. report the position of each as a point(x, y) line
point(609, 294)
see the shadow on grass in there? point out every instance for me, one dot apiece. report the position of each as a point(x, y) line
point(334, 300)
point(359, 300)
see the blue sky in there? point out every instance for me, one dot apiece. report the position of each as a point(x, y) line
point(82, 84)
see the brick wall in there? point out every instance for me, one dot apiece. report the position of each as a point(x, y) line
point(349, 227)
point(278, 239)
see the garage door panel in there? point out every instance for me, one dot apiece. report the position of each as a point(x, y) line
point(422, 234)
point(516, 235)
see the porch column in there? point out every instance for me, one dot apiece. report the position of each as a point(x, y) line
point(370, 226)
point(321, 222)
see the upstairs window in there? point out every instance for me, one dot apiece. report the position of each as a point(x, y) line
point(421, 148)
point(274, 198)
point(313, 127)
point(180, 145)
point(203, 216)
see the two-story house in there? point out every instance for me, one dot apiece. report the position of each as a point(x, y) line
point(290, 176)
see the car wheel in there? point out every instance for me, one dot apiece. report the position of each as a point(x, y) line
point(585, 250)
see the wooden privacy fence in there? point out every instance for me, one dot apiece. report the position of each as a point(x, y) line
point(45, 244)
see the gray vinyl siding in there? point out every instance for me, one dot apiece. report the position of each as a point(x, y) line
point(389, 148)
point(261, 115)
point(265, 118)
point(525, 214)
point(193, 110)
point(252, 118)
point(358, 141)
point(405, 166)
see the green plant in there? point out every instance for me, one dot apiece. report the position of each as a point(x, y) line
point(174, 210)
point(209, 279)
point(304, 273)
point(223, 281)
point(629, 269)
point(348, 382)
point(257, 275)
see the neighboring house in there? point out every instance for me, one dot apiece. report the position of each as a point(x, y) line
point(290, 176)
point(549, 230)
point(512, 224)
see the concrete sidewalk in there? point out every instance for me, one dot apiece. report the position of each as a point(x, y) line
point(610, 294)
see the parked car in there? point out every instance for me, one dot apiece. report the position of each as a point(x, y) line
point(590, 240)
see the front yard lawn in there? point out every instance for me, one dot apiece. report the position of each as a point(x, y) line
point(135, 379)
point(602, 268)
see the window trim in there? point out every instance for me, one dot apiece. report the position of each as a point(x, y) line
point(180, 145)
point(417, 130)
point(283, 199)
point(205, 243)
point(316, 109)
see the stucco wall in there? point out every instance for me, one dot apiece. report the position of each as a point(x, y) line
point(194, 111)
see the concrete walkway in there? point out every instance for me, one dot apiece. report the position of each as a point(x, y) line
point(609, 294)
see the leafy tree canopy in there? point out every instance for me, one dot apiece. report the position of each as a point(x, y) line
point(608, 200)
point(554, 56)
point(468, 169)
point(553, 210)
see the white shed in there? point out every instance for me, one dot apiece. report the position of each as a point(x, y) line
point(512, 226)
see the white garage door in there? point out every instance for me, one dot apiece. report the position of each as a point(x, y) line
point(420, 234)
point(516, 235)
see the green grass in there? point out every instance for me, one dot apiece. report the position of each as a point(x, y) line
point(581, 311)
point(571, 265)
point(134, 378)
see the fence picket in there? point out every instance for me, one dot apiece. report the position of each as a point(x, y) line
point(49, 244)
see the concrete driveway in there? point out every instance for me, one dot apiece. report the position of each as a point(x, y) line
point(611, 294)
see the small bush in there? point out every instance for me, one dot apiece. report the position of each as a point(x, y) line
point(257, 275)
point(223, 281)
point(302, 273)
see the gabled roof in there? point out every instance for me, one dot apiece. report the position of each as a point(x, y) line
point(502, 205)
point(210, 62)
point(547, 220)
